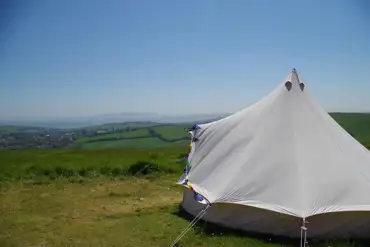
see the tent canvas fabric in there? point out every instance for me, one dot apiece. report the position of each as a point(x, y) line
point(279, 161)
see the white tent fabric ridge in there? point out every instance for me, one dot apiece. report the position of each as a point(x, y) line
point(282, 154)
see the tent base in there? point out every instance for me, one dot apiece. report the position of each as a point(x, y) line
point(339, 225)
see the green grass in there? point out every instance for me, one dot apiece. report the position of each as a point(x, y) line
point(171, 132)
point(82, 197)
point(33, 164)
point(131, 212)
point(357, 124)
point(8, 129)
point(128, 134)
point(150, 142)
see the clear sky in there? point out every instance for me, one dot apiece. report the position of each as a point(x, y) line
point(68, 58)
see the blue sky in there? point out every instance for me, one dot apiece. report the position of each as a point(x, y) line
point(81, 58)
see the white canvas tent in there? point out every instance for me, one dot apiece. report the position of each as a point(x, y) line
point(277, 164)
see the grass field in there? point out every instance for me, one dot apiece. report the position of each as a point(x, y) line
point(135, 133)
point(120, 125)
point(357, 124)
point(142, 137)
point(8, 129)
point(171, 132)
point(36, 164)
point(130, 212)
point(103, 198)
point(148, 142)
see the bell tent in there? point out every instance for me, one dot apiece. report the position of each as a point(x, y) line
point(277, 165)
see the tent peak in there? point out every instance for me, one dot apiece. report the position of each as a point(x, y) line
point(293, 79)
point(294, 72)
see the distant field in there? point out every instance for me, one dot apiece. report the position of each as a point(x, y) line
point(4, 129)
point(10, 128)
point(143, 137)
point(7, 129)
point(120, 125)
point(129, 134)
point(171, 132)
point(149, 142)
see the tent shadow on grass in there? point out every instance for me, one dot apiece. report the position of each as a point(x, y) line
point(206, 228)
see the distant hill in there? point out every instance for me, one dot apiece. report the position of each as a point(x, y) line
point(144, 134)
point(345, 119)
point(114, 118)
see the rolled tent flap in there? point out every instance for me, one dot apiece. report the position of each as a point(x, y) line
point(196, 193)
